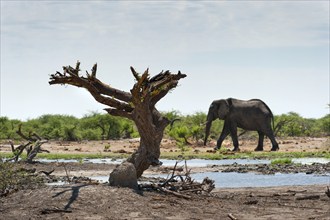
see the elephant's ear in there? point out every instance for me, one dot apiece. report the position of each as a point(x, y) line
point(223, 109)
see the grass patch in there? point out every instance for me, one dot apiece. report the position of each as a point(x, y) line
point(6, 155)
point(274, 155)
point(218, 155)
point(281, 161)
point(68, 156)
point(81, 156)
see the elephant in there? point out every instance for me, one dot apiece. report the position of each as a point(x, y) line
point(252, 115)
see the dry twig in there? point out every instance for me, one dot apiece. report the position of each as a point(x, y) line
point(182, 185)
point(33, 146)
point(232, 217)
point(66, 171)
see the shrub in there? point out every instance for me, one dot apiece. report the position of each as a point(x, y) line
point(13, 177)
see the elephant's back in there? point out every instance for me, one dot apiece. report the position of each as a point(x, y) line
point(259, 106)
point(253, 109)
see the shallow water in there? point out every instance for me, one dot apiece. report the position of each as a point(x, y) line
point(195, 162)
point(310, 161)
point(228, 180)
point(205, 163)
point(232, 179)
point(225, 180)
point(190, 163)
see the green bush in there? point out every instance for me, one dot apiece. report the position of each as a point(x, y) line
point(96, 126)
point(281, 161)
point(293, 125)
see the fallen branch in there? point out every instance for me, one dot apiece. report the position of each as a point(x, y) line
point(66, 171)
point(181, 185)
point(33, 146)
point(55, 210)
point(232, 217)
point(310, 197)
point(18, 151)
point(35, 150)
point(47, 173)
point(297, 191)
point(175, 193)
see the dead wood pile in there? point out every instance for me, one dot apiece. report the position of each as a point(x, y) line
point(182, 186)
point(32, 146)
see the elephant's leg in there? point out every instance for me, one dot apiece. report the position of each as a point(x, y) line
point(260, 146)
point(271, 136)
point(225, 132)
point(233, 133)
point(275, 146)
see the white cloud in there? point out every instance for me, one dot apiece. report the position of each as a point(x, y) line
point(210, 24)
point(205, 39)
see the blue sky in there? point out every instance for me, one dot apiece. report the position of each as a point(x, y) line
point(277, 51)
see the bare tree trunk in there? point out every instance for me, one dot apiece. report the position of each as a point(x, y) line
point(151, 127)
point(138, 105)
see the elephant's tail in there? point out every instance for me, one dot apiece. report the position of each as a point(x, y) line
point(272, 121)
point(271, 115)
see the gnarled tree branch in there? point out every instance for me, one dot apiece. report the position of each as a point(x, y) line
point(137, 105)
point(101, 92)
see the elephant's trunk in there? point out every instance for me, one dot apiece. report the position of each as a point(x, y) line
point(207, 130)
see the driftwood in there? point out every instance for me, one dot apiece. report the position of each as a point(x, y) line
point(47, 173)
point(18, 151)
point(32, 147)
point(309, 197)
point(231, 216)
point(54, 210)
point(181, 185)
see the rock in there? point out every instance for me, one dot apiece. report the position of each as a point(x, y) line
point(124, 176)
point(121, 151)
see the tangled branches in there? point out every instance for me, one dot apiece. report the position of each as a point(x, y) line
point(181, 185)
point(32, 147)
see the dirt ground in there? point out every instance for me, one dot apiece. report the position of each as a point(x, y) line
point(100, 201)
point(301, 144)
point(80, 201)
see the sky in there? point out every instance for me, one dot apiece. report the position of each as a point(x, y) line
point(277, 51)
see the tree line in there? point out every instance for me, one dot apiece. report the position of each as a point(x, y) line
point(184, 128)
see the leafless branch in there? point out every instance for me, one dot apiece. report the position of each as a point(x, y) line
point(33, 146)
point(182, 185)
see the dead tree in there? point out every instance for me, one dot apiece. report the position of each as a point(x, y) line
point(137, 105)
point(32, 147)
